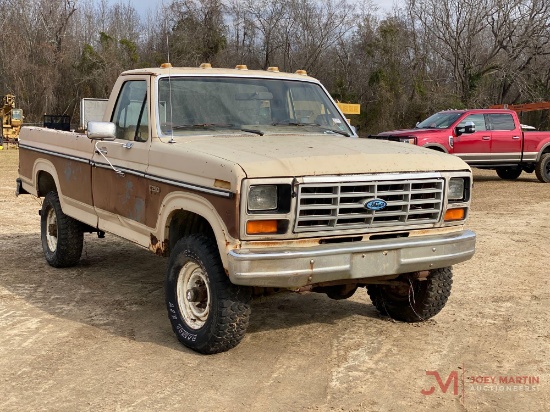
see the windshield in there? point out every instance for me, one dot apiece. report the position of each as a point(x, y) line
point(218, 105)
point(441, 120)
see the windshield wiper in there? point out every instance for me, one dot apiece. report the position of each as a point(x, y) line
point(336, 131)
point(311, 124)
point(294, 124)
point(253, 131)
point(202, 125)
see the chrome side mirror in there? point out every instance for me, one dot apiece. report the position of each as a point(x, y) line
point(470, 127)
point(101, 131)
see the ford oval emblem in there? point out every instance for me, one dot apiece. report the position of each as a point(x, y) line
point(376, 204)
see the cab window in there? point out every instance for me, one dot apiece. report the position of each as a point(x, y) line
point(502, 122)
point(130, 114)
point(477, 119)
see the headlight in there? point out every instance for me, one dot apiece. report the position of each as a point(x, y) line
point(409, 140)
point(262, 197)
point(456, 189)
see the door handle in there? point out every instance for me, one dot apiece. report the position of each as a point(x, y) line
point(515, 137)
point(486, 137)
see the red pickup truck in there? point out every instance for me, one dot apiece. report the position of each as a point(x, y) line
point(483, 138)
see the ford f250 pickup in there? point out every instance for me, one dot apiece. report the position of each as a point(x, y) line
point(251, 182)
point(483, 138)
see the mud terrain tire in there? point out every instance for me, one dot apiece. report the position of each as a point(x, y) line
point(420, 300)
point(207, 312)
point(62, 236)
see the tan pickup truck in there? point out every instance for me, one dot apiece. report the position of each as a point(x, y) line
point(251, 182)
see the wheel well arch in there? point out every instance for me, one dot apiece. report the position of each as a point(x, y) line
point(183, 214)
point(46, 179)
point(545, 149)
point(183, 223)
point(437, 148)
point(45, 183)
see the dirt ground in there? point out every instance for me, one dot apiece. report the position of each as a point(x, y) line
point(96, 337)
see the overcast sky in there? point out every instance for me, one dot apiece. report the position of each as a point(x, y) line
point(142, 6)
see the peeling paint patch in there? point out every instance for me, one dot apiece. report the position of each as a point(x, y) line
point(222, 184)
point(157, 247)
point(128, 192)
point(138, 211)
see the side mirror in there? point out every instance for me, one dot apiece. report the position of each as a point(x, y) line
point(469, 127)
point(101, 131)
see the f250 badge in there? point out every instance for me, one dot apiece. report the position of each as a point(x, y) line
point(376, 204)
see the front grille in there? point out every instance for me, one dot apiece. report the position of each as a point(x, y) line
point(341, 206)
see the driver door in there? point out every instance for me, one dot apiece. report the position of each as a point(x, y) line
point(118, 184)
point(473, 147)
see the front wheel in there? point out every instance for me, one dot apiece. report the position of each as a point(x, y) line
point(62, 236)
point(208, 313)
point(542, 169)
point(509, 173)
point(411, 299)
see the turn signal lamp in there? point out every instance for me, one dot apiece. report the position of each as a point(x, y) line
point(455, 214)
point(256, 227)
point(166, 65)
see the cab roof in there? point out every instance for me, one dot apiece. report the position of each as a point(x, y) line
point(207, 69)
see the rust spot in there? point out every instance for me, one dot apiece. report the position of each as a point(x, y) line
point(222, 184)
point(157, 247)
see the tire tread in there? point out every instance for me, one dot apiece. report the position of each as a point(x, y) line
point(70, 235)
point(438, 290)
point(232, 311)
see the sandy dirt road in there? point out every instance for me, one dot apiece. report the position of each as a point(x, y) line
point(96, 337)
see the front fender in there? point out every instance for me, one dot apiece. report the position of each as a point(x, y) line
point(193, 203)
point(436, 146)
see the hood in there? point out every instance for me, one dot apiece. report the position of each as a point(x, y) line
point(412, 132)
point(310, 155)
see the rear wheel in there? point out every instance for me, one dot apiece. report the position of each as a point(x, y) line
point(542, 169)
point(411, 299)
point(208, 313)
point(62, 236)
point(509, 173)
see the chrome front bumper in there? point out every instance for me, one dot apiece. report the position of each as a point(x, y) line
point(296, 267)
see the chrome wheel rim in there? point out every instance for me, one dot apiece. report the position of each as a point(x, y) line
point(51, 230)
point(193, 295)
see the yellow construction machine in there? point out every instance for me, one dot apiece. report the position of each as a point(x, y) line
point(12, 120)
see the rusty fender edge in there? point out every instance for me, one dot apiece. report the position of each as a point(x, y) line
point(297, 267)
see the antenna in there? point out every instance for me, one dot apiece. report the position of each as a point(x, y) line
point(168, 47)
